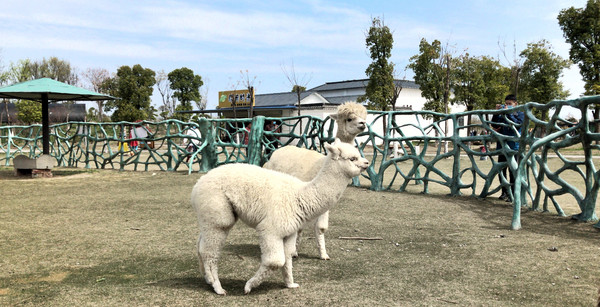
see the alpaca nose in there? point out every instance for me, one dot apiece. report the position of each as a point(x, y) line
point(365, 164)
point(362, 125)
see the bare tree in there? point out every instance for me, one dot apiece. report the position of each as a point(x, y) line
point(397, 90)
point(298, 83)
point(4, 79)
point(515, 64)
point(201, 104)
point(249, 84)
point(164, 89)
point(96, 77)
point(233, 99)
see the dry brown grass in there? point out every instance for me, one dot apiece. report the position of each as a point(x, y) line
point(127, 239)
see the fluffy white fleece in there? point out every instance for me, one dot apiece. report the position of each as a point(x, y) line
point(273, 203)
point(305, 164)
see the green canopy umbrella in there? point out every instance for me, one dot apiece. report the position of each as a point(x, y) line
point(46, 90)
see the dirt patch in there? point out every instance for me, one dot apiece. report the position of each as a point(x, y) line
point(71, 177)
point(4, 291)
point(55, 277)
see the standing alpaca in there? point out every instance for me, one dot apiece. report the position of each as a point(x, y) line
point(305, 164)
point(273, 203)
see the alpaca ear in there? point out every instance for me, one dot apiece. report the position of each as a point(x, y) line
point(334, 116)
point(333, 149)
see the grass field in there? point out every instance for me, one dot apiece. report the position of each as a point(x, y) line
point(110, 238)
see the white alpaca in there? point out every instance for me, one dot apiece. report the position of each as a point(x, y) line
point(305, 164)
point(274, 203)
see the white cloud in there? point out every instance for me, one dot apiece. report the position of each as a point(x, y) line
point(218, 38)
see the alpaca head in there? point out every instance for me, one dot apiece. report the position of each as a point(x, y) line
point(347, 157)
point(351, 120)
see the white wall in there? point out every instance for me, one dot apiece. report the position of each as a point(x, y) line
point(409, 97)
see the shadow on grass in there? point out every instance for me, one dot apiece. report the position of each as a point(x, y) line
point(548, 223)
point(234, 287)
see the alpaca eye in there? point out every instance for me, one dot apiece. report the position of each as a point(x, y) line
point(353, 159)
point(349, 120)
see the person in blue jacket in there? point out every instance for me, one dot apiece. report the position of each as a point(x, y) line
point(508, 124)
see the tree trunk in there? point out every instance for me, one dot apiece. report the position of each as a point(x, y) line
point(596, 117)
point(446, 98)
point(298, 96)
point(251, 90)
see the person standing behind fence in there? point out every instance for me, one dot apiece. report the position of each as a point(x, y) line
point(193, 141)
point(272, 140)
point(133, 144)
point(508, 124)
point(247, 136)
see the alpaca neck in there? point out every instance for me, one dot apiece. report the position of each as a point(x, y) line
point(344, 137)
point(318, 195)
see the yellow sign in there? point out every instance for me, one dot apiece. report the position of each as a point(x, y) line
point(239, 98)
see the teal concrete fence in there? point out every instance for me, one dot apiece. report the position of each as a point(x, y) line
point(404, 149)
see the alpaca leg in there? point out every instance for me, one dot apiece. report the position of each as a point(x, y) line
point(200, 263)
point(320, 228)
point(272, 258)
point(297, 243)
point(289, 246)
point(209, 248)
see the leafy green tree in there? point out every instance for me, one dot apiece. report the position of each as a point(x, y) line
point(92, 115)
point(433, 75)
point(29, 111)
point(54, 68)
point(540, 74)
point(133, 86)
point(186, 88)
point(480, 82)
point(60, 70)
point(380, 89)
point(20, 71)
point(497, 80)
point(469, 89)
point(298, 89)
point(3, 73)
point(581, 29)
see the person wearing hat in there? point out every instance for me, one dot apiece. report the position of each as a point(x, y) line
point(508, 124)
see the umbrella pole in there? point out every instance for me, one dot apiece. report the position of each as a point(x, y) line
point(45, 125)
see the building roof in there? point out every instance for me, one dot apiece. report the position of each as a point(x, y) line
point(288, 100)
point(278, 99)
point(342, 99)
point(362, 83)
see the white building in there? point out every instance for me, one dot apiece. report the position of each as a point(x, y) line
point(323, 100)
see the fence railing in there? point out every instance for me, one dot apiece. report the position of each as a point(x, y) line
point(409, 150)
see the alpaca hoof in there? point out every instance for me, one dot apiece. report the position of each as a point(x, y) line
point(221, 292)
point(325, 257)
point(292, 285)
point(247, 290)
point(295, 255)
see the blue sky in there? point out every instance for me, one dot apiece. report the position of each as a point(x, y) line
point(325, 40)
